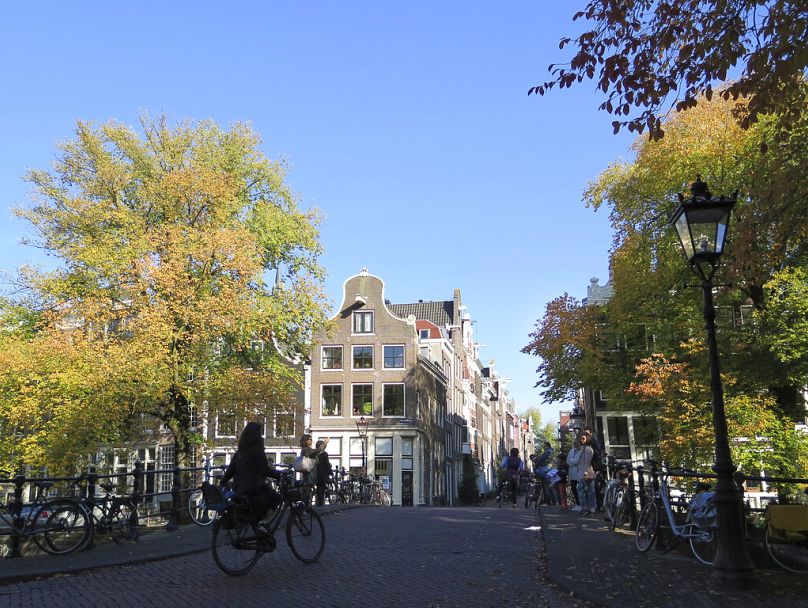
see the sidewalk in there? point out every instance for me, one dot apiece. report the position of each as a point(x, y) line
point(152, 545)
point(606, 569)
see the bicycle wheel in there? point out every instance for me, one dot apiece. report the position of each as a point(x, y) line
point(705, 545)
point(384, 498)
point(198, 509)
point(619, 509)
point(540, 495)
point(123, 525)
point(647, 527)
point(67, 529)
point(791, 556)
point(609, 500)
point(235, 544)
point(305, 534)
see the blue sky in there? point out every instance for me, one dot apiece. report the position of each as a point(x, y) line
point(407, 124)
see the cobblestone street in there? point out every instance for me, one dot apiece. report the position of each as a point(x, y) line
point(469, 557)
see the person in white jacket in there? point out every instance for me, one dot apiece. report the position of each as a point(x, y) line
point(574, 472)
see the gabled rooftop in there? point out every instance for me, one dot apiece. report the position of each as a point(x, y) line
point(439, 313)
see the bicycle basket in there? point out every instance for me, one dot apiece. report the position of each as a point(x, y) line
point(789, 522)
point(214, 497)
point(702, 510)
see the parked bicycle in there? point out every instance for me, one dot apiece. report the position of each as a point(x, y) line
point(699, 528)
point(618, 499)
point(57, 526)
point(786, 536)
point(114, 516)
point(239, 537)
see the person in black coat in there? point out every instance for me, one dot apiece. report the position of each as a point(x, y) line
point(323, 472)
point(249, 470)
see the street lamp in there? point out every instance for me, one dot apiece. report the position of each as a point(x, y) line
point(362, 428)
point(577, 419)
point(701, 224)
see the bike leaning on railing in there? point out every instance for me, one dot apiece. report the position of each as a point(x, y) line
point(699, 529)
point(240, 538)
point(57, 526)
point(111, 515)
point(786, 536)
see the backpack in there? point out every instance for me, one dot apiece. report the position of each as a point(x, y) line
point(514, 464)
point(597, 459)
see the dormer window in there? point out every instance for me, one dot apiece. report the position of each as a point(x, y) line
point(363, 322)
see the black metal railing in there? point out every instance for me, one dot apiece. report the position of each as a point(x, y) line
point(64, 488)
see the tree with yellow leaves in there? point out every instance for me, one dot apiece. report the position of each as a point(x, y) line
point(169, 244)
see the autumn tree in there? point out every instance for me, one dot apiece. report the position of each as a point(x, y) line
point(649, 57)
point(655, 314)
point(165, 298)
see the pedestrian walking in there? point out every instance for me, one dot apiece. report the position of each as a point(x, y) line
point(309, 452)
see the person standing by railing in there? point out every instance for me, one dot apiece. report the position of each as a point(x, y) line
point(323, 472)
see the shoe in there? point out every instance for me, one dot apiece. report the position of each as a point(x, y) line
point(513, 506)
point(576, 509)
point(586, 512)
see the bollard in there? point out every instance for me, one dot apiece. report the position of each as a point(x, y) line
point(175, 500)
point(16, 510)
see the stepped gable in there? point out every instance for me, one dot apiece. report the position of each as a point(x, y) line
point(439, 313)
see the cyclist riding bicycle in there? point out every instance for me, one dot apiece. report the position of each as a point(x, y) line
point(249, 470)
point(513, 466)
point(544, 471)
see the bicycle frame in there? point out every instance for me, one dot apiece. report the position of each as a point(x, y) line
point(686, 530)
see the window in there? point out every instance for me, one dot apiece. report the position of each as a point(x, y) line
point(285, 424)
point(363, 357)
point(384, 446)
point(334, 446)
point(226, 425)
point(332, 400)
point(423, 334)
point(362, 400)
point(166, 462)
point(393, 403)
point(645, 430)
point(332, 357)
point(363, 322)
point(394, 357)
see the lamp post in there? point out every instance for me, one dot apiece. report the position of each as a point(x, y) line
point(362, 429)
point(577, 419)
point(701, 224)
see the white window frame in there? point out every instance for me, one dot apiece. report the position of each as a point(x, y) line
point(235, 426)
point(372, 357)
point(363, 314)
point(322, 400)
point(423, 334)
point(275, 423)
point(403, 355)
point(404, 397)
point(322, 358)
point(372, 398)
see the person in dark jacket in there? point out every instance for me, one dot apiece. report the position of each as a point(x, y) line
point(249, 470)
point(323, 472)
